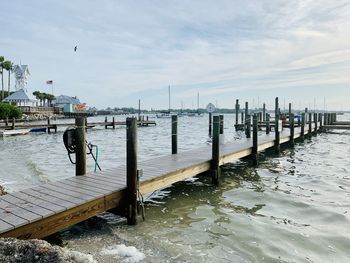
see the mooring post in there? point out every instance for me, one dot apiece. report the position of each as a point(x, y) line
point(315, 121)
point(289, 109)
point(131, 169)
point(255, 140)
point(248, 126)
point(48, 125)
point(302, 129)
point(80, 154)
point(174, 134)
point(7, 121)
point(277, 133)
point(113, 123)
point(242, 117)
point(210, 121)
point(106, 122)
point(291, 126)
point(139, 111)
point(310, 124)
point(237, 112)
point(215, 167)
point(264, 112)
point(221, 124)
point(13, 123)
point(268, 123)
point(246, 111)
point(320, 118)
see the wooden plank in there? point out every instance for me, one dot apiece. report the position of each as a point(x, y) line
point(12, 219)
point(76, 188)
point(18, 211)
point(82, 184)
point(100, 182)
point(4, 227)
point(53, 205)
point(52, 195)
point(68, 193)
point(27, 205)
point(54, 223)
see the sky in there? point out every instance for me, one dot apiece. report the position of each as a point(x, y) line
point(223, 50)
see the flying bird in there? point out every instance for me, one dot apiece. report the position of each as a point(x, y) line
point(75, 48)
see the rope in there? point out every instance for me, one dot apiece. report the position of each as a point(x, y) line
point(140, 196)
point(96, 153)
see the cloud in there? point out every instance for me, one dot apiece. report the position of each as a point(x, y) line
point(127, 49)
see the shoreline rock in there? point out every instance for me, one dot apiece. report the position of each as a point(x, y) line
point(13, 250)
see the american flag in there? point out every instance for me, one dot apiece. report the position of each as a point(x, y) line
point(49, 82)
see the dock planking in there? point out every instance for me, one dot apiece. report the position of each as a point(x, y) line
point(50, 207)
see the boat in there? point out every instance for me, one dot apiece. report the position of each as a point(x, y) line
point(38, 130)
point(195, 113)
point(4, 133)
point(165, 114)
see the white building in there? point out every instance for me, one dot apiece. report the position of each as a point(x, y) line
point(21, 98)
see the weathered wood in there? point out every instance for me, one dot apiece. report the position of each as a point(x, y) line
point(268, 128)
point(310, 124)
point(264, 112)
point(302, 128)
point(106, 120)
point(80, 138)
point(291, 126)
point(131, 171)
point(315, 121)
point(255, 140)
point(174, 134)
point(210, 121)
point(248, 126)
point(215, 168)
point(113, 123)
point(277, 132)
point(289, 109)
point(48, 124)
point(221, 124)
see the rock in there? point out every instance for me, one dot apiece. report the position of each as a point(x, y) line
point(2, 190)
point(13, 250)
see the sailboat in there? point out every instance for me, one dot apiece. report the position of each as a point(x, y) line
point(195, 113)
point(165, 114)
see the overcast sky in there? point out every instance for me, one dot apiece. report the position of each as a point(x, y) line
point(130, 50)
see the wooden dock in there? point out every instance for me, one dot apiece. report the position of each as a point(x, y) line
point(50, 207)
point(54, 126)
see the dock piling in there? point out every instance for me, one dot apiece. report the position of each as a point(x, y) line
point(255, 140)
point(268, 123)
point(80, 154)
point(291, 126)
point(302, 128)
point(215, 168)
point(106, 122)
point(131, 170)
point(13, 123)
point(264, 112)
point(248, 126)
point(237, 112)
point(310, 124)
point(174, 134)
point(113, 123)
point(210, 123)
point(277, 133)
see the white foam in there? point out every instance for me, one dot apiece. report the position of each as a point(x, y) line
point(130, 253)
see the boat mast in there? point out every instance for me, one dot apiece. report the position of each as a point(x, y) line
point(169, 97)
point(198, 102)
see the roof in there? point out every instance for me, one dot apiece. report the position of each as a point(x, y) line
point(19, 95)
point(63, 99)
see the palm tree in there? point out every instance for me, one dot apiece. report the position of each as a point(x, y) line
point(8, 66)
point(2, 76)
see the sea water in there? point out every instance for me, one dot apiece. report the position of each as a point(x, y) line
point(292, 207)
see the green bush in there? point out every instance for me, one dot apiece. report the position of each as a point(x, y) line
point(9, 111)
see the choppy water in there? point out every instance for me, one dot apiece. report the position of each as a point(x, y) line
point(290, 208)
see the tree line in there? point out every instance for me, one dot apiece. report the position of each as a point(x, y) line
point(5, 65)
point(44, 97)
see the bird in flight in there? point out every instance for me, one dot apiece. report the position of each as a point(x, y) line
point(75, 48)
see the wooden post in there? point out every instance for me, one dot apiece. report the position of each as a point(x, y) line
point(260, 117)
point(264, 112)
point(210, 120)
point(7, 121)
point(315, 121)
point(289, 109)
point(255, 140)
point(237, 111)
point(139, 112)
point(80, 154)
point(291, 126)
point(310, 124)
point(320, 119)
point(221, 124)
point(131, 169)
point(13, 123)
point(242, 117)
point(267, 123)
point(215, 168)
point(106, 122)
point(248, 126)
point(48, 125)
point(174, 134)
point(277, 133)
point(302, 129)
point(113, 122)
point(246, 112)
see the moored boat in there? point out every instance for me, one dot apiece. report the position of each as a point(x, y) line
point(4, 133)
